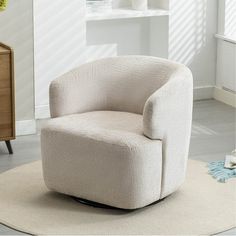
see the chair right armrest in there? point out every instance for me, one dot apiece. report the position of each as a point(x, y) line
point(168, 116)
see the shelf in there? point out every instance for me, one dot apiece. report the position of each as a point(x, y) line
point(226, 38)
point(124, 13)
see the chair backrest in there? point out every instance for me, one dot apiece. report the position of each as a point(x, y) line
point(119, 83)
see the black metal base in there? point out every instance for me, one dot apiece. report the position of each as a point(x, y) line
point(103, 206)
point(9, 147)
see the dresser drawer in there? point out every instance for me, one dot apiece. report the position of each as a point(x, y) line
point(5, 100)
point(5, 131)
point(5, 71)
point(5, 91)
point(5, 124)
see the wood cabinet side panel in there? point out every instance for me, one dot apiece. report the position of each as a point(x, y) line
point(7, 94)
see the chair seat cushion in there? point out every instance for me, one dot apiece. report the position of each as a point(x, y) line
point(120, 128)
point(102, 156)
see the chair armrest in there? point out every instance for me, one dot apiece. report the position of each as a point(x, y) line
point(168, 106)
point(168, 116)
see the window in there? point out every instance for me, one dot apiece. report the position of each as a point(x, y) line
point(230, 18)
point(227, 18)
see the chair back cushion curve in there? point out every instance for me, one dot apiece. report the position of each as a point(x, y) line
point(120, 84)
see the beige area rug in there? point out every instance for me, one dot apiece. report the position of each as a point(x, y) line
point(201, 206)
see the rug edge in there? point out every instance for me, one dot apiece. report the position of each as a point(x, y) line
point(21, 230)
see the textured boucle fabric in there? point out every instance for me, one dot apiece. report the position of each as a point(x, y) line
point(126, 112)
point(119, 83)
point(104, 157)
point(168, 117)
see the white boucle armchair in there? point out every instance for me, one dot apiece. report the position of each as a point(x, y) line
point(120, 131)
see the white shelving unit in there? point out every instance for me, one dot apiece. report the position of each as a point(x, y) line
point(125, 13)
point(148, 30)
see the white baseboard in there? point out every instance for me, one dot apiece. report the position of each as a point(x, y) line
point(25, 127)
point(225, 96)
point(42, 112)
point(204, 92)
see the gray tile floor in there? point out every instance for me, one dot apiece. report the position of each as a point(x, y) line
point(213, 136)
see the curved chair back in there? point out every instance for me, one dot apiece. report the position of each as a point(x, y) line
point(120, 83)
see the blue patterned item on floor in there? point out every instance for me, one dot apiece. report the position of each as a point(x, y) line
point(219, 172)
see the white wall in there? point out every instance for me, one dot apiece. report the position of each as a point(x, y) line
point(130, 35)
point(16, 30)
point(193, 24)
point(59, 44)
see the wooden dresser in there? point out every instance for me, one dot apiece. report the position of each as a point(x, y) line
point(7, 100)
